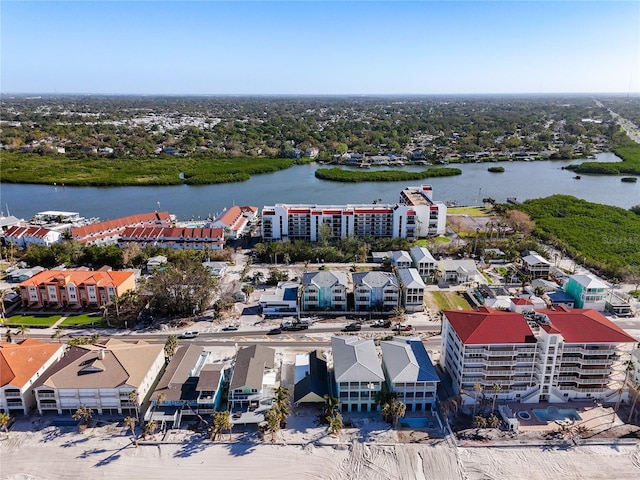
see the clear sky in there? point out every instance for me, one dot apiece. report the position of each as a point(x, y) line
point(329, 47)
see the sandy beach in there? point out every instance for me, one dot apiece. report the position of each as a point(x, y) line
point(299, 453)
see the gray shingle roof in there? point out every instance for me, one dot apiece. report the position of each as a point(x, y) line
point(355, 360)
point(250, 365)
point(407, 361)
point(316, 382)
point(325, 279)
point(410, 278)
point(374, 279)
point(421, 254)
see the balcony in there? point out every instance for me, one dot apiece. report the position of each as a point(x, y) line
point(599, 361)
point(9, 394)
point(585, 371)
point(592, 381)
point(589, 351)
point(46, 395)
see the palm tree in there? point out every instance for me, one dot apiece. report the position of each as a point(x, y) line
point(282, 403)
point(4, 422)
point(170, 346)
point(133, 398)
point(493, 421)
point(221, 422)
point(8, 336)
point(83, 414)
point(397, 411)
point(57, 334)
point(335, 424)
point(105, 313)
point(330, 408)
point(150, 428)
point(630, 366)
point(130, 423)
point(23, 330)
point(399, 315)
point(272, 419)
point(496, 389)
point(477, 388)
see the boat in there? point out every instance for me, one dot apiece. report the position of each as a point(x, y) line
point(365, 165)
point(577, 177)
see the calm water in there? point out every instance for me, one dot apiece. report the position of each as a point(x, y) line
point(522, 180)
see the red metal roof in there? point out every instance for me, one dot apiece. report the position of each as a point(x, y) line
point(580, 325)
point(488, 327)
point(521, 301)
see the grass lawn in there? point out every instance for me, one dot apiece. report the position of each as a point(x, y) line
point(84, 319)
point(473, 211)
point(447, 300)
point(32, 320)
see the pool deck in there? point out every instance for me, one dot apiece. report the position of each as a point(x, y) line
point(594, 417)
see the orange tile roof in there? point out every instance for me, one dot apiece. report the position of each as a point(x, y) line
point(19, 362)
point(99, 277)
point(99, 228)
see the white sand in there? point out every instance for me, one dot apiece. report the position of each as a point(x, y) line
point(108, 453)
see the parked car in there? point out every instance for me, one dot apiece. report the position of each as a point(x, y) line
point(231, 328)
point(293, 327)
point(402, 328)
point(352, 327)
point(381, 324)
point(274, 331)
point(189, 334)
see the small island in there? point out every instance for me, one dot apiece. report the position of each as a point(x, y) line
point(351, 176)
point(496, 169)
point(629, 179)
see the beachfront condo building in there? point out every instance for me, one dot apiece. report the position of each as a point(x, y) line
point(557, 355)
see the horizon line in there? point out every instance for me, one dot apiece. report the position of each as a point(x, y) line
point(317, 94)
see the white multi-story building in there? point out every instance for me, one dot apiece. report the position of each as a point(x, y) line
point(357, 372)
point(568, 355)
point(416, 215)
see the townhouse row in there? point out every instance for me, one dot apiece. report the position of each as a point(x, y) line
point(327, 290)
point(117, 378)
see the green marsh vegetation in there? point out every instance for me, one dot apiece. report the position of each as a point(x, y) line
point(354, 176)
point(606, 237)
point(630, 164)
point(164, 170)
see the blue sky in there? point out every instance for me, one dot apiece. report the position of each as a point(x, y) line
point(330, 47)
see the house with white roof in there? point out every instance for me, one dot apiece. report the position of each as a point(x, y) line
point(587, 291)
point(324, 290)
point(410, 373)
point(283, 301)
point(401, 259)
point(375, 290)
point(413, 289)
point(458, 271)
point(535, 265)
point(357, 373)
point(424, 262)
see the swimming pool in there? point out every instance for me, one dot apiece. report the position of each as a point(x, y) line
point(416, 422)
point(551, 414)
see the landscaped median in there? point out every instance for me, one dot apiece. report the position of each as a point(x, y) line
point(36, 320)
